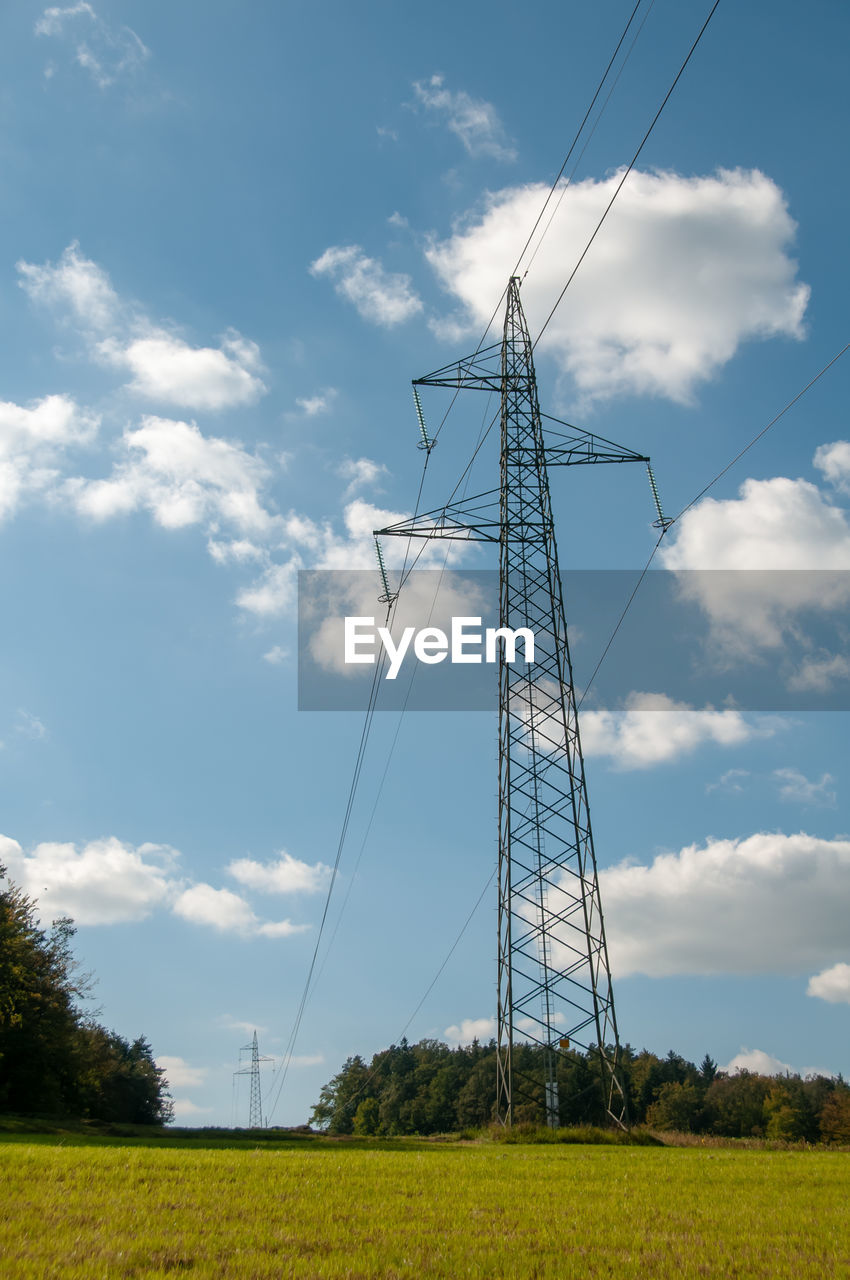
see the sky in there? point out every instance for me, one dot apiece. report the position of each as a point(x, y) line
point(230, 236)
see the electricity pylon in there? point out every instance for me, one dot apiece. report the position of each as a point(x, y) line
point(554, 980)
point(255, 1105)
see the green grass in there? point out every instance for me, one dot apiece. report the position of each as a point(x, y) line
point(82, 1212)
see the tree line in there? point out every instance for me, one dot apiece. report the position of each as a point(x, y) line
point(429, 1088)
point(55, 1060)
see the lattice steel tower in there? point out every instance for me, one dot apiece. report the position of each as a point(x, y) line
point(554, 982)
point(255, 1105)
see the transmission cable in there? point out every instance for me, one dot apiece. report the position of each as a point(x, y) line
point(558, 177)
point(626, 173)
point(695, 500)
point(587, 143)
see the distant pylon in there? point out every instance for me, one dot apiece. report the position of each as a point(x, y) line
point(255, 1106)
point(554, 981)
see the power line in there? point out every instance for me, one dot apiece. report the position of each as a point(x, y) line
point(558, 177)
point(632, 164)
point(758, 436)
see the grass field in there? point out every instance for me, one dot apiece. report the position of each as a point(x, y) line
point(79, 1210)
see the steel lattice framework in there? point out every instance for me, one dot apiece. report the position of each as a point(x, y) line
point(554, 981)
point(255, 1103)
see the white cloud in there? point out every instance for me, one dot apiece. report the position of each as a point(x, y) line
point(319, 403)
point(179, 1074)
point(322, 547)
point(276, 655)
point(235, 550)
point(236, 1024)
point(757, 1061)
point(108, 882)
point(775, 524)
point(163, 365)
point(30, 726)
point(182, 477)
point(107, 53)
point(794, 785)
point(167, 369)
point(834, 461)
point(74, 283)
point(323, 613)
point(103, 882)
point(732, 780)
point(360, 472)
point(820, 674)
point(832, 985)
point(383, 297)
point(273, 593)
point(33, 439)
point(768, 903)
point(470, 1029)
point(229, 913)
point(306, 1059)
point(764, 1064)
point(654, 728)
point(473, 120)
point(683, 272)
point(185, 1107)
point(286, 875)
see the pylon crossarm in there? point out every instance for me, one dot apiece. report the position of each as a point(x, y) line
point(580, 447)
point(479, 372)
point(474, 520)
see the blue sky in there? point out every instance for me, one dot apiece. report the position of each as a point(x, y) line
point(231, 235)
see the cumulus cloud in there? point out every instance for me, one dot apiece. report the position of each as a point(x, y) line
point(832, 985)
point(757, 1061)
point(383, 297)
point(473, 120)
point(109, 882)
point(732, 780)
point(164, 367)
point(319, 403)
point(470, 1029)
point(107, 53)
point(285, 875)
point(30, 726)
point(654, 728)
point(74, 284)
point(273, 593)
point(834, 461)
point(167, 369)
point(276, 655)
point(181, 477)
point(683, 272)
point(794, 785)
point(767, 903)
point(765, 1064)
point(321, 546)
point(103, 882)
point(360, 472)
point(184, 1108)
point(229, 913)
point(34, 439)
point(772, 525)
point(179, 1074)
point(237, 1024)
